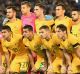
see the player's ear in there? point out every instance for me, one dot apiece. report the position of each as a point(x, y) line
point(65, 32)
point(64, 11)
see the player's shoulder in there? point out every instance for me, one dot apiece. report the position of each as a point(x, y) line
point(16, 36)
point(18, 20)
point(70, 35)
point(36, 36)
point(72, 38)
point(68, 18)
point(54, 35)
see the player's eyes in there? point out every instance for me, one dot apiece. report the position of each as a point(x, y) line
point(40, 32)
point(35, 9)
point(73, 14)
point(57, 9)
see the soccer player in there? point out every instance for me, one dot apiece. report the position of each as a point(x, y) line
point(68, 44)
point(14, 23)
point(76, 20)
point(14, 44)
point(76, 31)
point(27, 16)
point(61, 18)
point(51, 43)
point(47, 39)
point(41, 20)
point(34, 43)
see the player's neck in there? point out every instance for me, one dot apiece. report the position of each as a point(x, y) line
point(31, 37)
point(13, 19)
point(64, 37)
point(9, 39)
point(41, 17)
point(78, 21)
point(61, 17)
point(48, 37)
point(27, 14)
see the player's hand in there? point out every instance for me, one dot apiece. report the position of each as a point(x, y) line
point(8, 70)
point(33, 69)
point(69, 71)
point(44, 66)
point(2, 70)
point(63, 69)
point(50, 68)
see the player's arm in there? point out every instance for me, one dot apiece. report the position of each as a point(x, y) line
point(29, 52)
point(16, 39)
point(30, 56)
point(66, 56)
point(7, 59)
point(49, 57)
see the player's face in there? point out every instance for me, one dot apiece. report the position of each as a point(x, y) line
point(10, 13)
point(37, 11)
point(43, 33)
point(59, 11)
point(25, 9)
point(26, 33)
point(75, 15)
point(60, 33)
point(6, 34)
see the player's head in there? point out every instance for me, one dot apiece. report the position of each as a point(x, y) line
point(44, 31)
point(27, 31)
point(75, 14)
point(11, 12)
point(6, 32)
point(25, 7)
point(59, 9)
point(39, 9)
point(61, 31)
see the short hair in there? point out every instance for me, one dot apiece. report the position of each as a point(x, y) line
point(11, 7)
point(76, 9)
point(6, 27)
point(44, 27)
point(62, 27)
point(29, 27)
point(26, 3)
point(62, 5)
point(40, 5)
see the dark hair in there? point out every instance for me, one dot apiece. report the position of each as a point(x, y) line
point(26, 3)
point(44, 27)
point(41, 6)
point(11, 7)
point(61, 4)
point(6, 27)
point(76, 9)
point(29, 27)
point(62, 27)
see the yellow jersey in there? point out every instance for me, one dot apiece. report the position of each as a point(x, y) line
point(69, 43)
point(76, 30)
point(34, 45)
point(53, 44)
point(39, 23)
point(15, 45)
point(66, 21)
point(16, 26)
